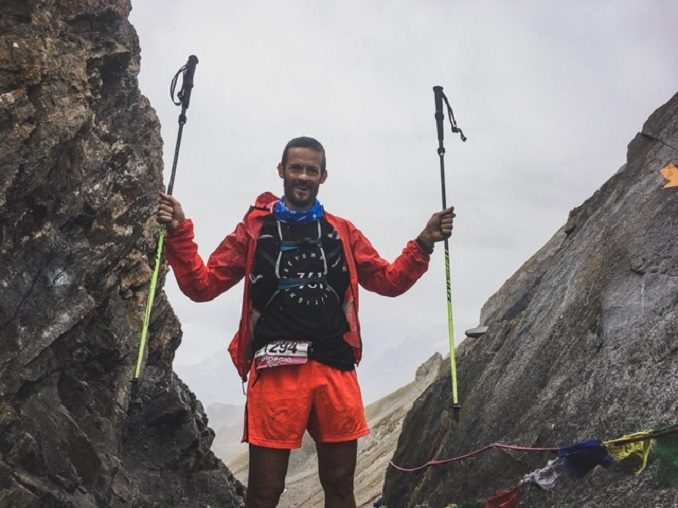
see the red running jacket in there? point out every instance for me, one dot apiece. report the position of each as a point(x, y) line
point(234, 258)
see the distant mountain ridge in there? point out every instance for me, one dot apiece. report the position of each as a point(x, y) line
point(227, 422)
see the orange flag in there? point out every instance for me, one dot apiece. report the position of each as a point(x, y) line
point(670, 172)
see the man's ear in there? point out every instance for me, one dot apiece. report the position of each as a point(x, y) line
point(281, 170)
point(323, 176)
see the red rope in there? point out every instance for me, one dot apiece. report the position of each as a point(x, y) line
point(473, 454)
point(652, 435)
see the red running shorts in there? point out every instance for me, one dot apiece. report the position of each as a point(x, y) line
point(284, 401)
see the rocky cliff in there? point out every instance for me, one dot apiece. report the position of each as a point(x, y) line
point(582, 343)
point(80, 167)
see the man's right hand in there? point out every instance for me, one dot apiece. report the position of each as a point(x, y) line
point(170, 212)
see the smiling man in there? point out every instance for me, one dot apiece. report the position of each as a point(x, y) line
point(299, 337)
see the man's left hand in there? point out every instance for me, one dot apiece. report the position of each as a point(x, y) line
point(438, 228)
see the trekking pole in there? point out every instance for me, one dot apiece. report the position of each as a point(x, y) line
point(183, 100)
point(439, 96)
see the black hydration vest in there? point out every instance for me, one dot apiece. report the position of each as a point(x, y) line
point(298, 281)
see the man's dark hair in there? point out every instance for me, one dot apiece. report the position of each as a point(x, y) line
point(304, 142)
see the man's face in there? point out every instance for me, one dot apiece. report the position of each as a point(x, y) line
point(302, 176)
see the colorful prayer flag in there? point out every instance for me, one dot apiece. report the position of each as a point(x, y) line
point(545, 477)
point(621, 451)
point(670, 172)
point(666, 453)
point(507, 498)
point(582, 457)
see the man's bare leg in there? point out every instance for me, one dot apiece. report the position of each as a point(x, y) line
point(336, 467)
point(268, 468)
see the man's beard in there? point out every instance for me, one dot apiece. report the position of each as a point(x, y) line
point(311, 189)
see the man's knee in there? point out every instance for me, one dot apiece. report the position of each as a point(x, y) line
point(338, 480)
point(264, 494)
point(336, 467)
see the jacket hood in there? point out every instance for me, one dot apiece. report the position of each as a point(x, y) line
point(263, 204)
point(266, 200)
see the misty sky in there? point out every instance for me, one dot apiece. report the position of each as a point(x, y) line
point(549, 94)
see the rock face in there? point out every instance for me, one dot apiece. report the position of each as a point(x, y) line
point(582, 343)
point(80, 167)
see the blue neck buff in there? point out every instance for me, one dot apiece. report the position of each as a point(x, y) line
point(284, 214)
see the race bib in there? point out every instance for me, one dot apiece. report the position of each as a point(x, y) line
point(282, 352)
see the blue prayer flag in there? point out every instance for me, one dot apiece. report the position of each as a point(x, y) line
point(583, 457)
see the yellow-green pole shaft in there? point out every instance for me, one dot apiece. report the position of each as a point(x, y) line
point(448, 280)
point(149, 303)
point(450, 327)
point(184, 97)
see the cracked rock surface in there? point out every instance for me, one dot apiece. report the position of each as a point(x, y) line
point(80, 167)
point(581, 343)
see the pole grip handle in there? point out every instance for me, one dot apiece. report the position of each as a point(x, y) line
point(187, 84)
point(439, 116)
